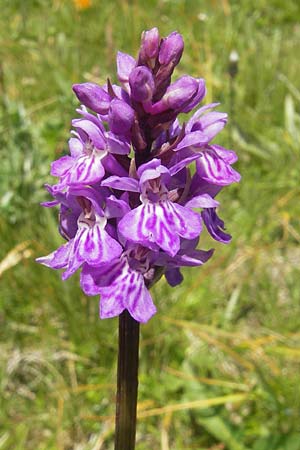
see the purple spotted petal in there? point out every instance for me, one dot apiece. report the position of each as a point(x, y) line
point(61, 166)
point(111, 302)
point(86, 170)
point(137, 299)
point(74, 260)
point(57, 259)
point(127, 292)
point(92, 245)
point(92, 279)
point(229, 156)
point(97, 247)
point(214, 169)
point(161, 224)
point(120, 288)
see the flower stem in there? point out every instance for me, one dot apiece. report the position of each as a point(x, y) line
point(127, 384)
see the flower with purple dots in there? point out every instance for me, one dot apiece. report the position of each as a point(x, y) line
point(138, 184)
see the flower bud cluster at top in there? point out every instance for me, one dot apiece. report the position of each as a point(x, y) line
point(129, 216)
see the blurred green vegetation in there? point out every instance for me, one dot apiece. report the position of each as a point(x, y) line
point(219, 366)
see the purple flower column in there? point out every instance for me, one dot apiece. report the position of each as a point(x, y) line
point(131, 209)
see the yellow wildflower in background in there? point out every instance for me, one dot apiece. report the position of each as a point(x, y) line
point(82, 4)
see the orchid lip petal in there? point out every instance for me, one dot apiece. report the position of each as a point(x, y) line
point(160, 224)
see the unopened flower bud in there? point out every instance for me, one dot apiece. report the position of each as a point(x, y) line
point(92, 96)
point(141, 84)
point(171, 49)
point(120, 116)
point(181, 92)
point(178, 95)
point(150, 44)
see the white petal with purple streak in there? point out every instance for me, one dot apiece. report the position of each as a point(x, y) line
point(86, 169)
point(160, 224)
point(214, 169)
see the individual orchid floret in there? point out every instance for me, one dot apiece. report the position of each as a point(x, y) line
point(85, 164)
point(93, 97)
point(121, 284)
point(214, 162)
point(116, 143)
point(157, 222)
point(92, 243)
point(89, 153)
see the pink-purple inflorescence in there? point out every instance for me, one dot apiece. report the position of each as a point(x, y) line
point(126, 194)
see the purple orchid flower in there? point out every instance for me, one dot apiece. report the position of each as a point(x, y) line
point(137, 185)
point(89, 150)
point(121, 284)
point(157, 222)
point(91, 243)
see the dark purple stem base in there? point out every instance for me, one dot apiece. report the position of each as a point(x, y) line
point(127, 387)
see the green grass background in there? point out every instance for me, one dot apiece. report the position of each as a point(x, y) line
point(219, 363)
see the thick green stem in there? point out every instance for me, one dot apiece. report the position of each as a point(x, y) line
point(127, 387)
